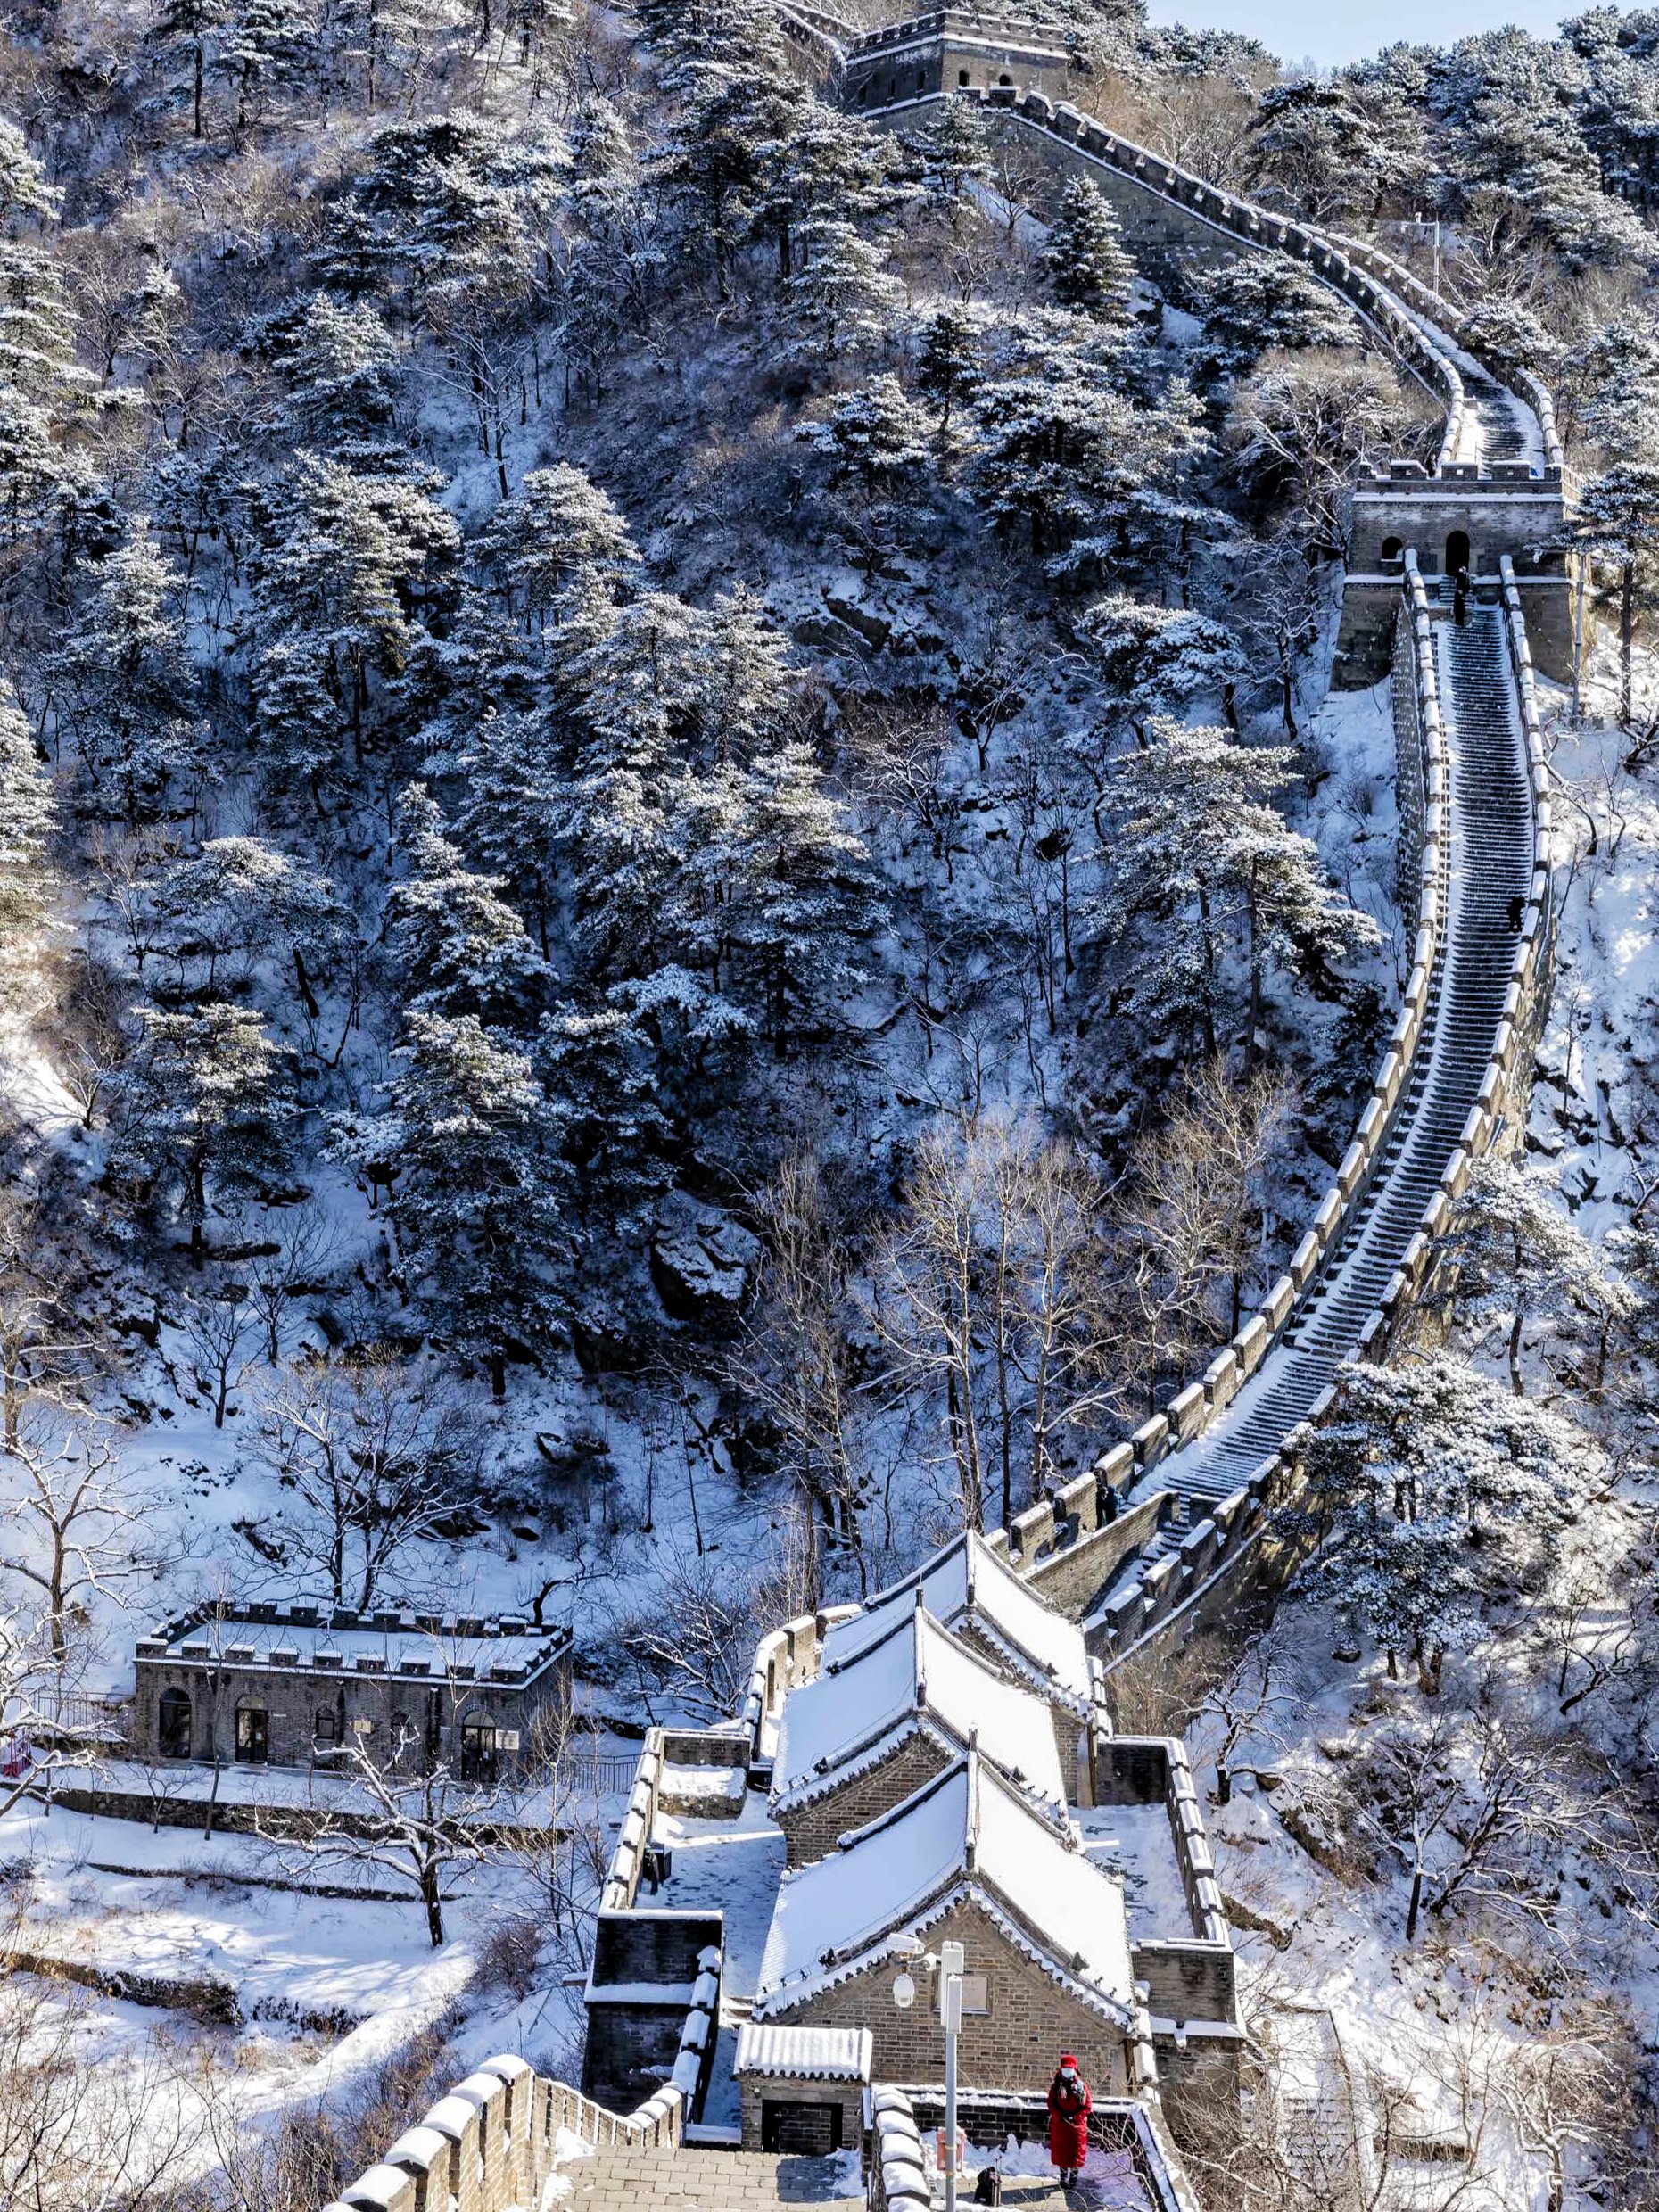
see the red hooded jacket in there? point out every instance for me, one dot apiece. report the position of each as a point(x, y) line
point(1069, 2105)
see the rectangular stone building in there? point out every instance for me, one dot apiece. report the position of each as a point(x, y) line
point(802, 2088)
point(880, 1721)
point(295, 1686)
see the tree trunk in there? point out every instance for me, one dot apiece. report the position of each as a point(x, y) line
point(433, 1903)
point(1627, 631)
point(1416, 1906)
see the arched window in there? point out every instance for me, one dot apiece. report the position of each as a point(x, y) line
point(1004, 79)
point(1458, 552)
point(921, 80)
point(253, 1733)
point(173, 1724)
point(963, 77)
point(327, 1727)
point(1393, 552)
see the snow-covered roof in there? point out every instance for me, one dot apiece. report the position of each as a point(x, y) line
point(967, 1832)
point(969, 1584)
point(807, 2054)
point(917, 1674)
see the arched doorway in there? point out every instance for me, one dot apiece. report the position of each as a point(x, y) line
point(1393, 552)
point(1458, 553)
point(173, 1724)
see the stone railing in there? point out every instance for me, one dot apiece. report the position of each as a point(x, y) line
point(492, 2143)
point(622, 1879)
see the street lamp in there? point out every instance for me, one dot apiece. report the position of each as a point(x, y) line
point(949, 1961)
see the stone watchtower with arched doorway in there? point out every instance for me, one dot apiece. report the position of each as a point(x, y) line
point(1464, 516)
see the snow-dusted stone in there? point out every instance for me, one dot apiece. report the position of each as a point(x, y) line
point(701, 1259)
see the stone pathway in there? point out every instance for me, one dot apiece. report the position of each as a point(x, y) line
point(694, 2179)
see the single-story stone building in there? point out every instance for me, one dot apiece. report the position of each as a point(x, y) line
point(297, 1685)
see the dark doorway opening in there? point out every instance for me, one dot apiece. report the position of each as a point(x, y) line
point(1458, 553)
point(801, 2130)
point(253, 1736)
point(173, 1722)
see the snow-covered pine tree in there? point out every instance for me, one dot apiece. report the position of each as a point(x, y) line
point(339, 568)
point(1512, 1257)
point(842, 299)
point(480, 1201)
point(122, 681)
point(1262, 303)
point(781, 892)
point(1084, 257)
point(558, 534)
point(1432, 1492)
point(1199, 864)
point(203, 1108)
point(949, 365)
point(28, 816)
point(1155, 661)
point(458, 946)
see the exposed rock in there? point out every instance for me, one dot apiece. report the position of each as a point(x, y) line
point(701, 1259)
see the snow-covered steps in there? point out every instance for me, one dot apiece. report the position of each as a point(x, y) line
point(1490, 875)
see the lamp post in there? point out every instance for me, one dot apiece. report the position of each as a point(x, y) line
point(950, 1961)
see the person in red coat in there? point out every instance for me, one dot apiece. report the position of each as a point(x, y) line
point(1069, 2105)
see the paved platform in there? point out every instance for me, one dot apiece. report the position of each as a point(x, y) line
point(629, 2179)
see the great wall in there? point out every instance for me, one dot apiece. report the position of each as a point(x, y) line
point(1164, 1532)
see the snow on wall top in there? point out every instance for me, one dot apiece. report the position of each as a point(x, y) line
point(967, 1831)
point(918, 1667)
point(969, 1584)
point(379, 1644)
point(810, 2054)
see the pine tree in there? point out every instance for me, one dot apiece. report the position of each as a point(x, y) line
point(121, 682)
point(558, 535)
point(841, 299)
point(265, 43)
point(1617, 521)
point(1199, 864)
point(480, 1201)
point(1266, 303)
point(459, 947)
point(1156, 661)
point(183, 29)
point(781, 890)
point(1430, 1485)
point(28, 815)
point(955, 152)
point(1510, 1255)
point(949, 367)
point(338, 566)
point(203, 1108)
point(340, 365)
point(874, 443)
point(1084, 257)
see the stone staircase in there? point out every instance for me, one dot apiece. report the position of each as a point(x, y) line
point(1491, 856)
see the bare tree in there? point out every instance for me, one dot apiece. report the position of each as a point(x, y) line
point(409, 1815)
point(46, 1350)
point(74, 1530)
point(76, 2133)
point(378, 1451)
point(1263, 1681)
point(794, 1362)
point(292, 1247)
point(220, 1327)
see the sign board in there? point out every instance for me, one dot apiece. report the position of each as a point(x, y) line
point(362, 1728)
point(975, 1999)
point(506, 1739)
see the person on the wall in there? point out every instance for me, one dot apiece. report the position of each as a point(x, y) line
point(1069, 2105)
point(1460, 597)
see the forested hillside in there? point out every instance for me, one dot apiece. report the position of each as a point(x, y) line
point(680, 904)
